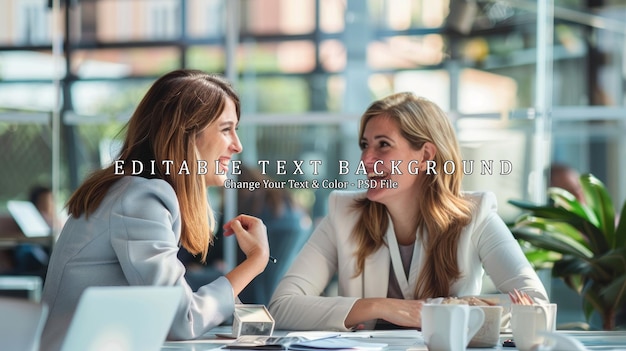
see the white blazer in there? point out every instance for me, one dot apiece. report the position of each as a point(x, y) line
point(486, 242)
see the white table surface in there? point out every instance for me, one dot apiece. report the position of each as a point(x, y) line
point(401, 340)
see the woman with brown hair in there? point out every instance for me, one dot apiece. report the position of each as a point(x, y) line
point(411, 236)
point(127, 220)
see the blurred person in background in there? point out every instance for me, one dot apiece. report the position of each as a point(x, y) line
point(41, 197)
point(567, 178)
point(288, 228)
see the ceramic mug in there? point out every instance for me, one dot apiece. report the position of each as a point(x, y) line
point(447, 327)
point(489, 334)
point(529, 322)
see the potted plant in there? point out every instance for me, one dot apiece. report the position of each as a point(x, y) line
point(590, 244)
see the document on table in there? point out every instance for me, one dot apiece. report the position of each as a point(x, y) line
point(336, 343)
point(375, 334)
point(259, 342)
point(299, 343)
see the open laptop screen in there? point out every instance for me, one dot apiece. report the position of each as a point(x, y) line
point(123, 318)
point(28, 218)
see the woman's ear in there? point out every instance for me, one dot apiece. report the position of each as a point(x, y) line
point(430, 150)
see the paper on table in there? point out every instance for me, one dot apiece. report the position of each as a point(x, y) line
point(262, 342)
point(392, 333)
point(334, 343)
point(312, 335)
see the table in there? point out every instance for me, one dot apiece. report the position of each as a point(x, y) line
point(402, 340)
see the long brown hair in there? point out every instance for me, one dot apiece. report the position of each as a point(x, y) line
point(443, 211)
point(164, 126)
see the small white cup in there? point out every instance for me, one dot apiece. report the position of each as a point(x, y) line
point(447, 327)
point(489, 334)
point(528, 322)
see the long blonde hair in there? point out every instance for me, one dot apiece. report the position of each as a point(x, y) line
point(164, 126)
point(443, 211)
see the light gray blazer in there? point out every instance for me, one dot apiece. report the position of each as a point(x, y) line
point(131, 239)
point(485, 242)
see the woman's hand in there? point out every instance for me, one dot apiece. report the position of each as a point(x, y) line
point(251, 236)
point(405, 313)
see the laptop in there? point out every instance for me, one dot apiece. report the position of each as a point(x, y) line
point(123, 318)
point(28, 218)
point(21, 323)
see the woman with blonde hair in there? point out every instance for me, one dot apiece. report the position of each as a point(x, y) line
point(411, 236)
point(128, 220)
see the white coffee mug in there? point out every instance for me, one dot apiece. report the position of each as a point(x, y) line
point(447, 327)
point(528, 322)
point(489, 334)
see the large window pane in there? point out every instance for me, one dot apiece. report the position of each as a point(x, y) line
point(274, 95)
point(119, 63)
point(278, 16)
point(104, 100)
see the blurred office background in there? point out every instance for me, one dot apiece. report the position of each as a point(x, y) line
point(528, 81)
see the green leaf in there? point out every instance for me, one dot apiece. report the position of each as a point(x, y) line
point(600, 203)
point(620, 232)
point(588, 309)
point(553, 241)
point(592, 296)
point(597, 241)
point(552, 226)
point(540, 258)
point(569, 266)
point(614, 260)
point(605, 268)
point(543, 256)
point(574, 282)
point(565, 199)
point(616, 292)
point(543, 211)
point(572, 266)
